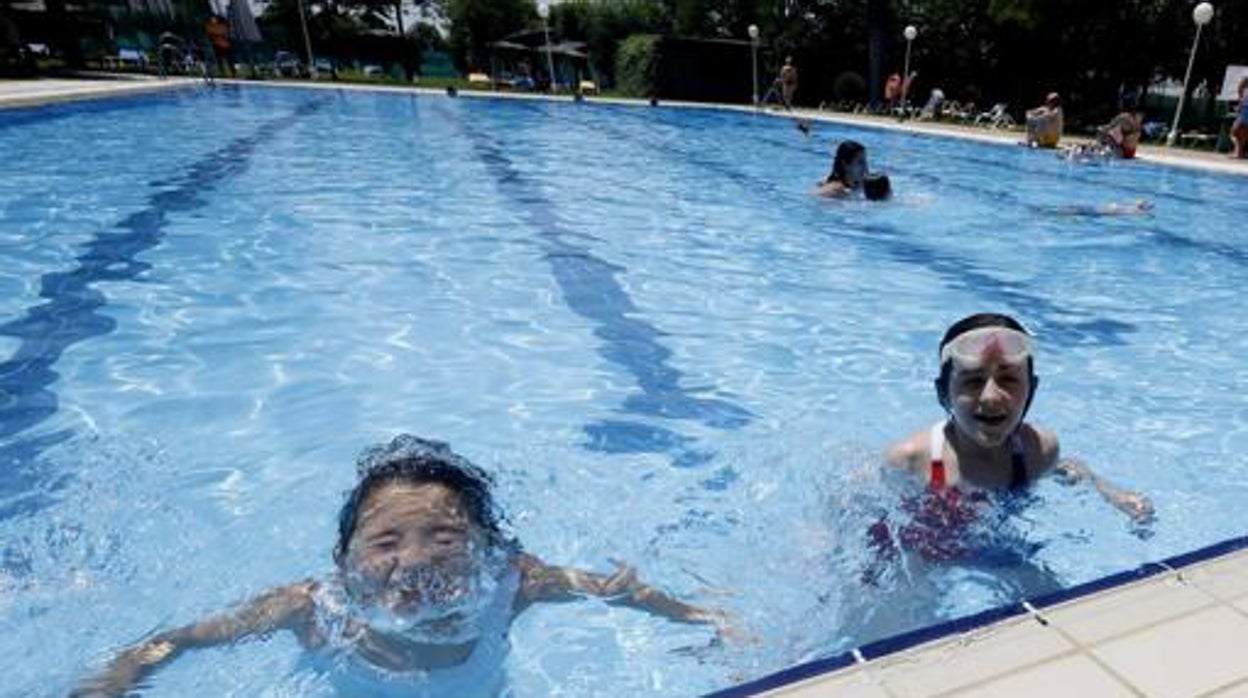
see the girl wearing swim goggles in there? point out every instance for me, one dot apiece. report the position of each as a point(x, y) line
point(986, 385)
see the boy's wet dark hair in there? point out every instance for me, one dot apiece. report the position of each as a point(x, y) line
point(846, 152)
point(975, 322)
point(412, 460)
point(877, 187)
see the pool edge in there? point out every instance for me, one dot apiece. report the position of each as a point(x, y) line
point(1149, 155)
point(896, 644)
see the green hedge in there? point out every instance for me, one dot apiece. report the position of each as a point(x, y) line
point(636, 65)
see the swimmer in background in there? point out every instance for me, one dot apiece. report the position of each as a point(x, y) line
point(986, 385)
point(877, 187)
point(1139, 207)
point(426, 588)
point(849, 168)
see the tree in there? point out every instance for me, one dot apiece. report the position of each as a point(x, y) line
point(391, 13)
point(605, 24)
point(475, 24)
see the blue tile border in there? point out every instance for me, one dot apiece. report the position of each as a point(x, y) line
point(913, 638)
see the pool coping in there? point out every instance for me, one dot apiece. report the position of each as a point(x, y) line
point(896, 644)
point(1153, 155)
point(74, 89)
point(123, 85)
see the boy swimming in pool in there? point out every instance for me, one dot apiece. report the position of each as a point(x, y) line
point(986, 384)
point(426, 588)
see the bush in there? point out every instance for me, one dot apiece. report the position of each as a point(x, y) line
point(849, 87)
point(636, 65)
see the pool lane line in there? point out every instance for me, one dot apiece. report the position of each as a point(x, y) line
point(71, 314)
point(591, 290)
point(956, 272)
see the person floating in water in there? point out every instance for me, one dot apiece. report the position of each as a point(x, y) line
point(1139, 207)
point(986, 385)
point(426, 587)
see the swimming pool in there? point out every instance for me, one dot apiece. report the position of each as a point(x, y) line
point(639, 319)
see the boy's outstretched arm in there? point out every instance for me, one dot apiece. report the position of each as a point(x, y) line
point(1133, 504)
point(542, 582)
point(288, 607)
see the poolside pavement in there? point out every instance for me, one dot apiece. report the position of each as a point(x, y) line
point(23, 93)
point(30, 93)
point(1180, 634)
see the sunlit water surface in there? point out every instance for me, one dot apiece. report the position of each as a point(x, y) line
point(638, 319)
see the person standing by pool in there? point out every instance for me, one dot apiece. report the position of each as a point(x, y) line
point(788, 82)
point(892, 91)
point(218, 32)
point(426, 588)
point(1044, 123)
point(1239, 129)
point(986, 385)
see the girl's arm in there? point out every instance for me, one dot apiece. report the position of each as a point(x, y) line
point(547, 583)
point(287, 607)
point(1133, 504)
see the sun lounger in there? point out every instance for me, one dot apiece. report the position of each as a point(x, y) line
point(997, 117)
point(126, 57)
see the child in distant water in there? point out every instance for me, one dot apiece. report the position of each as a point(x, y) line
point(849, 168)
point(426, 588)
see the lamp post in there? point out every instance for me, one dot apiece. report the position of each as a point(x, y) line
point(543, 11)
point(1201, 16)
point(910, 32)
point(307, 40)
point(753, 31)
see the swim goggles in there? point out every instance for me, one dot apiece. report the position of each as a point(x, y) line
point(973, 347)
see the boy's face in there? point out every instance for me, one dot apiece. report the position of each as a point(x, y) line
point(413, 546)
point(988, 398)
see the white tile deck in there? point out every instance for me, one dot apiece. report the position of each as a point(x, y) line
point(16, 93)
point(852, 683)
point(1185, 657)
point(1239, 690)
point(1181, 635)
point(977, 656)
point(25, 93)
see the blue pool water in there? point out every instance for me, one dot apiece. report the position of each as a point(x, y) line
point(666, 350)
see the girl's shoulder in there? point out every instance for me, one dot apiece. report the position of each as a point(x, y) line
point(1041, 448)
point(911, 453)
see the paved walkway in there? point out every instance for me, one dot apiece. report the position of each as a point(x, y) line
point(1181, 634)
point(20, 93)
point(29, 93)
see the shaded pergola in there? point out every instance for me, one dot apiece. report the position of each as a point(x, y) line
point(567, 56)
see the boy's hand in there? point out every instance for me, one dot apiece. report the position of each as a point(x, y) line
point(1137, 506)
point(726, 631)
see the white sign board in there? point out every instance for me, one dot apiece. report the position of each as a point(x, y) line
point(1230, 83)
